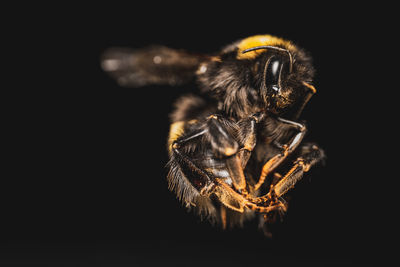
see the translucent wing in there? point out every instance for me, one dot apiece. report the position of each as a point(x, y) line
point(150, 65)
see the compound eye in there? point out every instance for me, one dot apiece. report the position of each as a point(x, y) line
point(272, 73)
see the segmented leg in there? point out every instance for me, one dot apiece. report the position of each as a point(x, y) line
point(218, 133)
point(237, 162)
point(309, 155)
point(288, 148)
point(239, 202)
point(201, 180)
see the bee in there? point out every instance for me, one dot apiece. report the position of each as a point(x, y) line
point(235, 146)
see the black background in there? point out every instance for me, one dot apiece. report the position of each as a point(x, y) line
point(86, 181)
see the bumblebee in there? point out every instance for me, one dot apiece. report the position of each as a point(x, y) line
point(235, 146)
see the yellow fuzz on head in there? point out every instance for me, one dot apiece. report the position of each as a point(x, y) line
point(259, 40)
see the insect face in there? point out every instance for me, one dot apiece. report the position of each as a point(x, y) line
point(286, 83)
point(260, 73)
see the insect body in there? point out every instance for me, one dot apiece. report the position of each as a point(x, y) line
point(236, 146)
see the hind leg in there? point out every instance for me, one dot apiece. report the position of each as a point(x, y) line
point(213, 137)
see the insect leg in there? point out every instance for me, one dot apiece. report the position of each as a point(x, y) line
point(190, 183)
point(200, 180)
point(237, 163)
point(247, 136)
point(215, 133)
point(238, 202)
point(288, 148)
point(220, 135)
point(220, 132)
point(310, 154)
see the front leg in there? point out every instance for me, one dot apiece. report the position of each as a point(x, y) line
point(287, 148)
point(310, 154)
